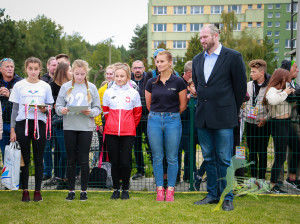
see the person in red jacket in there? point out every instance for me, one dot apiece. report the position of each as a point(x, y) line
point(122, 111)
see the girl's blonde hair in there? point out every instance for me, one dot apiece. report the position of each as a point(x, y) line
point(123, 66)
point(81, 64)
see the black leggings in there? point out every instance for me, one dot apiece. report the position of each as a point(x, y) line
point(120, 155)
point(283, 135)
point(78, 147)
point(38, 147)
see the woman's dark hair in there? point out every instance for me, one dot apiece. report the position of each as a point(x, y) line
point(278, 80)
point(169, 58)
point(61, 73)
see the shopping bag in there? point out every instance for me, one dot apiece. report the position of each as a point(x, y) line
point(11, 166)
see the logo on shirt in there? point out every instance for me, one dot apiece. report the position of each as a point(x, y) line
point(33, 91)
point(113, 97)
point(172, 89)
point(127, 99)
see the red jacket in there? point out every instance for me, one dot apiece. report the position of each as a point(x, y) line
point(122, 110)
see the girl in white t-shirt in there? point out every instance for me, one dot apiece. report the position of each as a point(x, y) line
point(31, 100)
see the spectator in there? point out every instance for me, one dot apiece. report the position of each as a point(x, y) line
point(122, 110)
point(63, 58)
point(166, 99)
point(281, 129)
point(28, 124)
point(219, 75)
point(1, 123)
point(8, 79)
point(256, 116)
point(78, 127)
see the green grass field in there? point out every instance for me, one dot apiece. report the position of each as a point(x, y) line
point(142, 208)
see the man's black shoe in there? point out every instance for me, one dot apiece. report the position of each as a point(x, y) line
point(125, 195)
point(137, 176)
point(115, 195)
point(227, 205)
point(46, 177)
point(206, 200)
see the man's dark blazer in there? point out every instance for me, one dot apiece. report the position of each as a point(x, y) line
point(220, 99)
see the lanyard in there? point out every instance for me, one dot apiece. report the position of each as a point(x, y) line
point(26, 118)
point(36, 124)
point(254, 96)
point(48, 123)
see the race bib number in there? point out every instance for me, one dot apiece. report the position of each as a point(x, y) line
point(253, 112)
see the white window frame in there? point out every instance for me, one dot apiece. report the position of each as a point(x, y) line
point(276, 24)
point(276, 41)
point(269, 35)
point(276, 50)
point(295, 7)
point(258, 24)
point(179, 42)
point(156, 10)
point(270, 25)
point(198, 12)
point(158, 42)
point(175, 27)
point(250, 6)
point(238, 27)
point(164, 27)
point(277, 15)
point(192, 27)
point(238, 9)
point(179, 10)
point(259, 6)
point(288, 25)
point(175, 60)
point(276, 33)
point(250, 24)
point(288, 43)
point(216, 9)
point(270, 6)
point(278, 5)
point(270, 15)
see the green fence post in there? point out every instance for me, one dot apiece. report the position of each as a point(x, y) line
point(192, 109)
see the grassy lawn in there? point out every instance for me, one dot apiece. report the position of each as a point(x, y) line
point(142, 208)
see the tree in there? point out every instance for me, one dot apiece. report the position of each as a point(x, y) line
point(229, 21)
point(77, 46)
point(179, 67)
point(124, 54)
point(138, 45)
point(194, 48)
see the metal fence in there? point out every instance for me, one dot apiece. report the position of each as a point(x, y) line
point(189, 157)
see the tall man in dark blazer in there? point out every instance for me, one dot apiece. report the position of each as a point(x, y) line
point(219, 75)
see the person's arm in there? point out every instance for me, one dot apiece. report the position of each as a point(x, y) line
point(182, 100)
point(60, 107)
point(95, 105)
point(14, 115)
point(275, 98)
point(1, 122)
point(148, 96)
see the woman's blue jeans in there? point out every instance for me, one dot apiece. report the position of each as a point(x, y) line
point(62, 154)
point(164, 132)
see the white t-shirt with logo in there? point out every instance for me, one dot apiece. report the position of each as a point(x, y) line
point(25, 92)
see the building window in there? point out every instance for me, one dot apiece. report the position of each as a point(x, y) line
point(259, 6)
point(278, 6)
point(158, 42)
point(276, 50)
point(176, 59)
point(236, 8)
point(276, 41)
point(179, 10)
point(270, 15)
point(179, 27)
point(237, 27)
point(249, 6)
point(295, 7)
point(277, 24)
point(160, 27)
point(269, 24)
point(160, 10)
point(270, 6)
point(250, 24)
point(179, 44)
point(288, 25)
point(258, 24)
point(277, 15)
point(196, 10)
point(288, 43)
point(216, 9)
point(269, 33)
point(276, 33)
point(196, 27)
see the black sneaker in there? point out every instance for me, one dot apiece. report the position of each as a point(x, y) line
point(125, 195)
point(197, 181)
point(52, 182)
point(83, 196)
point(292, 183)
point(276, 190)
point(115, 195)
point(137, 176)
point(70, 196)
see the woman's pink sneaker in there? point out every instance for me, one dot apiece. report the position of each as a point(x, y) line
point(160, 194)
point(170, 194)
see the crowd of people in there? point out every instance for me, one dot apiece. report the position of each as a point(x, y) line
point(156, 105)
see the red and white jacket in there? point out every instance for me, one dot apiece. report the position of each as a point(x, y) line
point(122, 110)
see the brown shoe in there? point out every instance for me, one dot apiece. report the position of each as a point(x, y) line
point(38, 196)
point(25, 196)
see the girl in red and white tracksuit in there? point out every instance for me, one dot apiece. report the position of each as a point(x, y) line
point(122, 111)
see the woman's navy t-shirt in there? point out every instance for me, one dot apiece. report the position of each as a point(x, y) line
point(165, 97)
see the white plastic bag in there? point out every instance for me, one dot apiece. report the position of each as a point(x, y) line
point(11, 167)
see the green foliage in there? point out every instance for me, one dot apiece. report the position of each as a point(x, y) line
point(229, 21)
point(138, 45)
point(179, 67)
point(124, 54)
point(194, 48)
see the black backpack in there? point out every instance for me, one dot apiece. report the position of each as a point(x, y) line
point(98, 178)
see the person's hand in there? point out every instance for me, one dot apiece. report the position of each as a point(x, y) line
point(64, 110)
point(4, 92)
point(101, 129)
point(289, 90)
point(262, 122)
point(86, 112)
point(13, 136)
point(42, 109)
point(188, 97)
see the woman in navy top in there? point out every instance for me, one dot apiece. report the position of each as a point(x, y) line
point(166, 98)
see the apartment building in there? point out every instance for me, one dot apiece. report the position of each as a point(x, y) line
point(174, 22)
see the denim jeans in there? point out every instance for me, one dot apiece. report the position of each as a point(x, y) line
point(48, 159)
point(217, 149)
point(5, 138)
point(61, 153)
point(164, 131)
